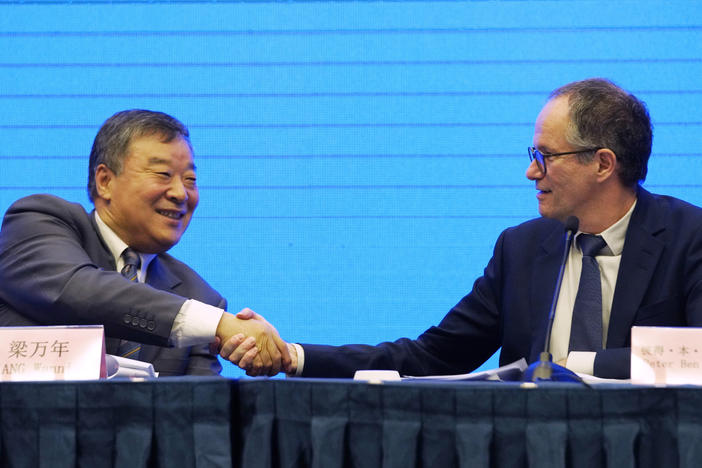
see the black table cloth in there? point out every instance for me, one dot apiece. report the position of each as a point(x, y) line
point(196, 422)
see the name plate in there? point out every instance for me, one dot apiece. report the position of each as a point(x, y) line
point(666, 355)
point(52, 353)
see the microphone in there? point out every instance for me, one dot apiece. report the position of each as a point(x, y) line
point(545, 369)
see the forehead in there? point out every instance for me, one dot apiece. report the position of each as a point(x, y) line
point(152, 149)
point(552, 124)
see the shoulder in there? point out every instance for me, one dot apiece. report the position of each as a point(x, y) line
point(45, 214)
point(666, 212)
point(47, 204)
point(676, 205)
point(48, 224)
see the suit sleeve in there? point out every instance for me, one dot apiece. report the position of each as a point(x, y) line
point(47, 274)
point(465, 338)
point(201, 361)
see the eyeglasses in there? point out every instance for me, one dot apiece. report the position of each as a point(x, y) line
point(540, 157)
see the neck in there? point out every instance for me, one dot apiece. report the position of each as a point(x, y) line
point(609, 208)
point(106, 217)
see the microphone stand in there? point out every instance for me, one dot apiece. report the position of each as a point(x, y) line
point(545, 369)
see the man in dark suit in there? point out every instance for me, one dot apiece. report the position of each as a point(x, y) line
point(62, 266)
point(592, 142)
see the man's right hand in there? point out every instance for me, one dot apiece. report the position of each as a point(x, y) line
point(255, 341)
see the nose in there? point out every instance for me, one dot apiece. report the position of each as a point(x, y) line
point(177, 191)
point(533, 172)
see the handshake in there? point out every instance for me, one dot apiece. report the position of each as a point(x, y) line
point(250, 342)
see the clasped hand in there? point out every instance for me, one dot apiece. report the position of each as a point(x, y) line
point(250, 342)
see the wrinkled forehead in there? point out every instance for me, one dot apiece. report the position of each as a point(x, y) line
point(155, 149)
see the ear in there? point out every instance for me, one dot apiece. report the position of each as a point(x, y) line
point(103, 182)
point(606, 164)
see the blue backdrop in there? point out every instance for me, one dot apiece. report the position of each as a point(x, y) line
point(356, 160)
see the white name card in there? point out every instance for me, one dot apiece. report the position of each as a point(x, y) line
point(52, 353)
point(666, 355)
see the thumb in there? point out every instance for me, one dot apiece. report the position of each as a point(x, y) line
point(246, 314)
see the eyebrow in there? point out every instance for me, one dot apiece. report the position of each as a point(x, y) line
point(154, 160)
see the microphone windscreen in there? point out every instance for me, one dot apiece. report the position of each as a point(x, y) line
point(572, 224)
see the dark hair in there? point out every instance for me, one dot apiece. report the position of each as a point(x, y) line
point(111, 143)
point(603, 115)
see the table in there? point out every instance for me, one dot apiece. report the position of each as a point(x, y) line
point(216, 422)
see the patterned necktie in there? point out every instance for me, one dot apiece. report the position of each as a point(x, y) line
point(130, 270)
point(132, 262)
point(586, 327)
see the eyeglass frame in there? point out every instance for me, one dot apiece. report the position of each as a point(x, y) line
point(541, 161)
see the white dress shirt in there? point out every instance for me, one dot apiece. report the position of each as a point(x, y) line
point(608, 261)
point(196, 322)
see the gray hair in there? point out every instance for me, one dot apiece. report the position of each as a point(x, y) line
point(603, 115)
point(111, 144)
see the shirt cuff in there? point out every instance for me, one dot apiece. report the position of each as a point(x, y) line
point(581, 362)
point(195, 324)
point(300, 360)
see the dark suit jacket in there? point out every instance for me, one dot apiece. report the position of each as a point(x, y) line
point(56, 270)
point(659, 284)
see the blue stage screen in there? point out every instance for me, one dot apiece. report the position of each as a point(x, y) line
point(356, 160)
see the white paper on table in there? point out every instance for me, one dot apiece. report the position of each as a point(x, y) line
point(508, 373)
point(118, 366)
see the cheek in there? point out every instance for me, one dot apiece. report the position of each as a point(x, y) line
point(563, 183)
point(193, 199)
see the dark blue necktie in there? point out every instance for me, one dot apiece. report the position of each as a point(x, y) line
point(586, 327)
point(130, 270)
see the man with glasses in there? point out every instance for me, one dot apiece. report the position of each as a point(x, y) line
point(639, 257)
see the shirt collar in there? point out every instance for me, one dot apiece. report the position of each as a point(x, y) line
point(117, 246)
point(615, 235)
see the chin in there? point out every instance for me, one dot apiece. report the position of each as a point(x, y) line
point(551, 214)
point(162, 245)
point(166, 246)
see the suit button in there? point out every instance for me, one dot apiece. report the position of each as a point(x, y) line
point(151, 325)
point(135, 321)
point(127, 318)
point(142, 323)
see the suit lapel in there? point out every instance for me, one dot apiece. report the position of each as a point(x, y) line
point(642, 250)
point(159, 276)
point(543, 281)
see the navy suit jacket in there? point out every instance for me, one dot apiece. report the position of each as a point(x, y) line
point(56, 270)
point(659, 284)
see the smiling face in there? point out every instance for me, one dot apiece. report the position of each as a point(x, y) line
point(150, 203)
point(569, 185)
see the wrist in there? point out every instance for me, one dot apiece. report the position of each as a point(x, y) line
point(225, 327)
point(293, 358)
